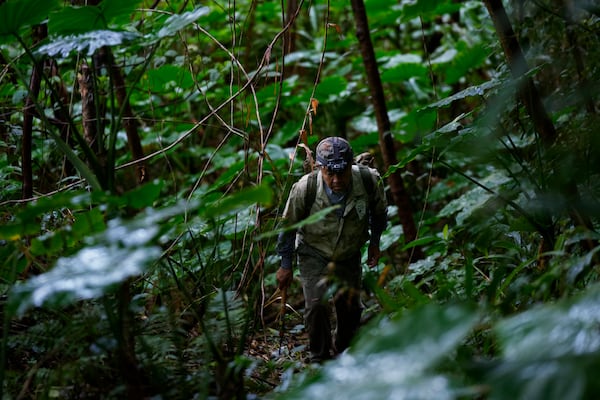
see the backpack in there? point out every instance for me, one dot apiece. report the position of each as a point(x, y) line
point(311, 188)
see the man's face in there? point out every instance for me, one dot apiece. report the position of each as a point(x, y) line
point(338, 182)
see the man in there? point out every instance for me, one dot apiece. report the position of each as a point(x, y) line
point(329, 251)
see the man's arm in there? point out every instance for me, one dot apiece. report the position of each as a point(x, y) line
point(285, 248)
point(286, 241)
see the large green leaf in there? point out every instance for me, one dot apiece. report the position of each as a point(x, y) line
point(311, 219)
point(169, 77)
point(87, 42)
point(330, 88)
point(474, 199)
point(428, 9)
point(18, 14)
point(26, 221)
point(403, 72)
point(237, 201)
point(177, 22)
point(477, 90)
point(550, 352)
point(89, 273)
point(123, 250)
point(76, 20)
point(396, 359)
point(468, 58)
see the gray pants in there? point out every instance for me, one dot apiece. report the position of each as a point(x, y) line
point(321, 280)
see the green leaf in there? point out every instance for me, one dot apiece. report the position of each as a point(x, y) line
point(18, 14)
point(26, 221)
point(144, 196)
point(177, 22)
point(89, 273)
point(87, 42)
point(474, 199)
point(420, 242)
point(477, 90)
point(311, 219)
point(123, 250)
point(414, 124)
point(168, 77)
point(240, 200)
point(403, 72)
point(77, 20)
point(118, 11)
point(550, 352)
point(468, 58)
point(428, 9)
point(396, 359)
point(330, 88)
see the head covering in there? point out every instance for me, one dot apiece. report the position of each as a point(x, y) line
point(334, 153)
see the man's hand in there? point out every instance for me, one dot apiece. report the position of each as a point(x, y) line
point(284, 277)
point(374, 255)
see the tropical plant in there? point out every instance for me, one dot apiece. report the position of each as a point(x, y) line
point(148, 148)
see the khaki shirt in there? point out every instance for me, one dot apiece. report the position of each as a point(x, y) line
point(336, 238)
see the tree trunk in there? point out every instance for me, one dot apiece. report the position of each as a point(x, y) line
point(386, 141)
point(39, 33)
point(88, 106)
point(582, 80)
point(518, 66)
point(105, 57)
point(290, 36)
point(530, 98)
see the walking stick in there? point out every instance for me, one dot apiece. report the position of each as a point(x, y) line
point(282, 316)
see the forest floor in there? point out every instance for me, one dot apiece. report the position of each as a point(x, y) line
point(280, 351)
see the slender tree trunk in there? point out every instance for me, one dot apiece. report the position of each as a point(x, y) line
point(289, 39)
point(129, 120)
point(104, 57)
point(39, 32)
point(518, 66)
point(583, 82)
point(386, 141)
point(88, 106)
point(530, 98)
point(61, 113)
point(134, 376)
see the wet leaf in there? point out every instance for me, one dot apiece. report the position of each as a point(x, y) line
point(311, 219)
point(123, 250)
point(87, 42)
point(90, 272)
point(18, 14)
point(77, 20)
point(177, 22)
point(550, 352)
point(473, 200)
point(471, 91)
point(241, 200)
point(396, 359)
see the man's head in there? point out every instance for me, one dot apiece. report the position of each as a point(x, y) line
point(335, 157)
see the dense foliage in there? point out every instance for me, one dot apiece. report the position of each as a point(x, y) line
point(148, 146)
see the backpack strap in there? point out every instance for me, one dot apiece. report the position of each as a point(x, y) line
point(367, 181)
point(311, 192)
